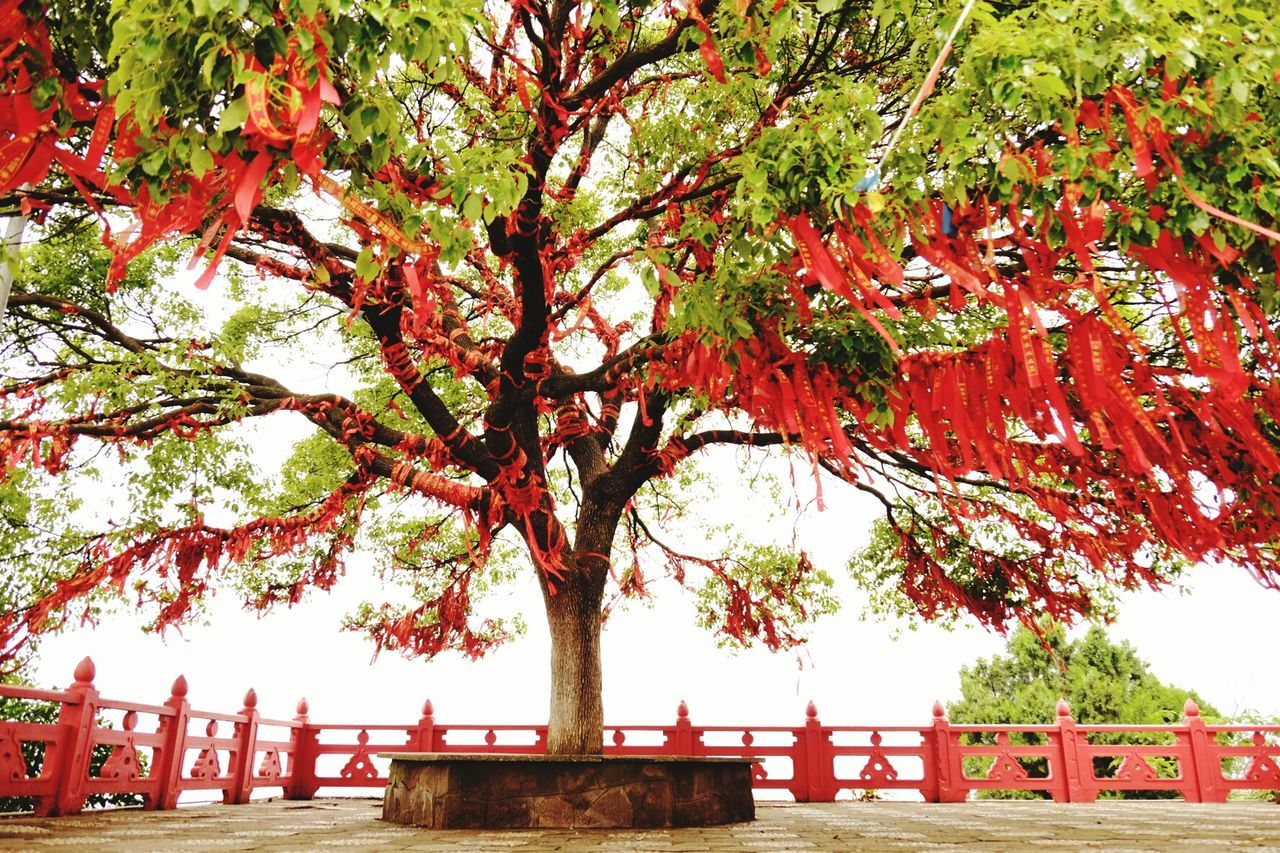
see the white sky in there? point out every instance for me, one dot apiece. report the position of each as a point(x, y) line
point(1215, 640)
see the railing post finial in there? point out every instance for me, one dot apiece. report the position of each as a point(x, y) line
point(681, 739)
point(251, 698)
point(85, 671)
point(423, 736)
point(939, 712)
point(1063, 710)
point(1190, 708)
point(303, 708)
point(179, 688)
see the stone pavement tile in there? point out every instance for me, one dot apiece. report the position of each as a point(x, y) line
point(23, 829)
point(812, 828)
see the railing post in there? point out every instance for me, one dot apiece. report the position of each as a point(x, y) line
point(424, 736)
point(799, 786)
point(1203, 772)
point(246, 735)
point(819, 762)
point(173, 749)
point(948, 767)
point(76, 719)
point(807, 776)
point(1069, 785)
point(682, 741)
point(302, 756)
point(929, 751)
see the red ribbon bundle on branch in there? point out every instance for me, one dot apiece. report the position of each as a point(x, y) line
point(1122, 449)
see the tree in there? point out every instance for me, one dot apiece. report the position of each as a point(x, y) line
point(1103, 683)
point(582, 243)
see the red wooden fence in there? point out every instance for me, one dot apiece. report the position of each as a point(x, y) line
point(239, 753)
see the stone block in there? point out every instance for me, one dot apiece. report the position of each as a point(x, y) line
point(612, 808)
point(551, 813)
point(457, 791)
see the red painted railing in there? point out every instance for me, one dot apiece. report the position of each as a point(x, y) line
point(236, 754)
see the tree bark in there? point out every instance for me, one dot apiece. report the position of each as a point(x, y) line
point(576, 725)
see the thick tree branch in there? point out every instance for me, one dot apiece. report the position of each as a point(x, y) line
point(632, 61)
point(604, 378)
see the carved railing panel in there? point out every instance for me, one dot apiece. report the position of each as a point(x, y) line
point(812, 761)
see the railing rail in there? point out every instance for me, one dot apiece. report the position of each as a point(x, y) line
point(239, 753)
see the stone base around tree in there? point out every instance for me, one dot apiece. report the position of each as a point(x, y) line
point(493, 791)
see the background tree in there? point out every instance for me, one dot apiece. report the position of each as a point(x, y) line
point(600, 238)
point(1103, 683)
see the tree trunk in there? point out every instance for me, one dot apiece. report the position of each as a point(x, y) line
point(576, 725)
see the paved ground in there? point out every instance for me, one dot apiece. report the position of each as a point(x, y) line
point(279, 825)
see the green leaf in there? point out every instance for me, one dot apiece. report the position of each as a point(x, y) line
point(367, 268)
point(201, 162)
point(472, 207)
point(233, 116)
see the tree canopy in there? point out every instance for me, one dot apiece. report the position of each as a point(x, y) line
point(603, 237)
point(1101, 680)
